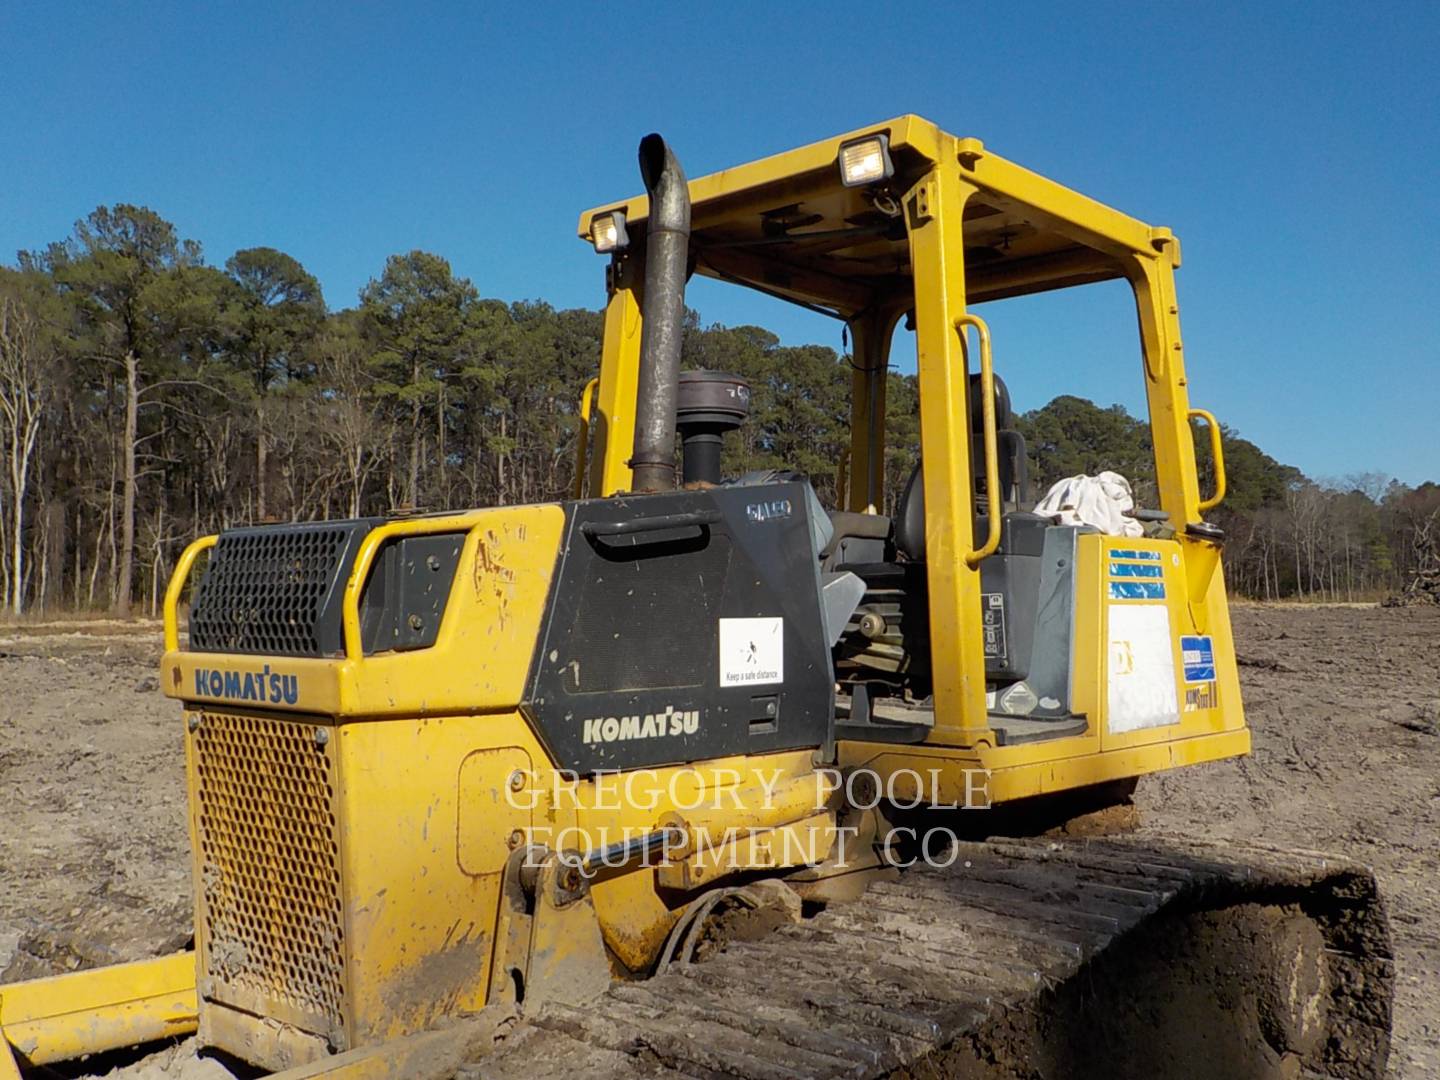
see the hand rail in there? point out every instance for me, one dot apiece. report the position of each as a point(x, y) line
point(582, 445)
point(1217, 454)
point(655, 523)
point(177, 585)
point(992, 443)
point(374, 540)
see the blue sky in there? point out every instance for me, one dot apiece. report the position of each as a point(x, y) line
point(1293, 147)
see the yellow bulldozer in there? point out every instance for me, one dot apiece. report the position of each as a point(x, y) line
point(474, 793)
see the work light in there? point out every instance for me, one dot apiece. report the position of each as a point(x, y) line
point(607, 231)
point(866, 160)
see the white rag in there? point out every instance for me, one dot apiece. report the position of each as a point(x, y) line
point(1100, 501)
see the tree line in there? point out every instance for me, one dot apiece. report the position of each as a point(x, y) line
point(148, 397)
point(1356, 537)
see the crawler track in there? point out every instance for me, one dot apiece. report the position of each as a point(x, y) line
point(1114, 958)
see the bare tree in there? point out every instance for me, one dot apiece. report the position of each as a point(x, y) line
point(350, 421)
point(23, 387)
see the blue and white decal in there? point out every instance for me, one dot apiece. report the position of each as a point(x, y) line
point(1140, 570)
point(1137, 590)
point(1131, 553)
point(262, 685)
point(1197, 654)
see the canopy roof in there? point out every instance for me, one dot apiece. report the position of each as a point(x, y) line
point(787, 225)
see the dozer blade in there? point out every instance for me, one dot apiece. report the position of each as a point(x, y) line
point(429, 1055)
point(88, 1012)
point(1112, 959)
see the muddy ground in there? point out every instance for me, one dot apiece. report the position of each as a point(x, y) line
point(1344, 702)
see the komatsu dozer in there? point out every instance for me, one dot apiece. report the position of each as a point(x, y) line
point(475, 792)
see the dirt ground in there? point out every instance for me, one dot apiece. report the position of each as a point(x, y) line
point(1344, 703)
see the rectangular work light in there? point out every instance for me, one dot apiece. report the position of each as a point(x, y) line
point(866, 160)
point(607, 231)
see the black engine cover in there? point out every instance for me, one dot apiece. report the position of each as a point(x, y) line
point(683, 626)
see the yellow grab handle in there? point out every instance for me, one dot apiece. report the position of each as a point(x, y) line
point(1217, 454)
point(374, 540)
point(582, 446)
point(991, 438)
point(177, 586)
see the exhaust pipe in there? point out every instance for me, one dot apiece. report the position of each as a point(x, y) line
point(667, 242)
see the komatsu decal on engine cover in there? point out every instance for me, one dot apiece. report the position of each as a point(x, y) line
point(672, 721)
point(260, 685)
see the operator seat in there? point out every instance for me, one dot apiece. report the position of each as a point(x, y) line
point(872, 538)
point(1012, 469)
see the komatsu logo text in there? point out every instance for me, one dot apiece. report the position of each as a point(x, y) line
point(259, 685)
point(672, 721)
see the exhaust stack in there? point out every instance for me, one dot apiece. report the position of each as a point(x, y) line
point(667, 242)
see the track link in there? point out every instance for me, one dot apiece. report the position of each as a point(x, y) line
point(997, 967)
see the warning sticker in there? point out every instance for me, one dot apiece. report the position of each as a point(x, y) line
point(752, 651)
point(993, 624)
point(1197, 654)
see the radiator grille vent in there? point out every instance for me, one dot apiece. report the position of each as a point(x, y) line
point(273, 590)
point(270, 866)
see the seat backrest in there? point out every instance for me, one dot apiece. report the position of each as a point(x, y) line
point(1011, 465)
point(1014, 481)
point(910, 517)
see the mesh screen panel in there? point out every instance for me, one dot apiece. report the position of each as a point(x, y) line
point(269, 864)
point(265, 591)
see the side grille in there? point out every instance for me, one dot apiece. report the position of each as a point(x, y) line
point(275, 590)
point(269, 869)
